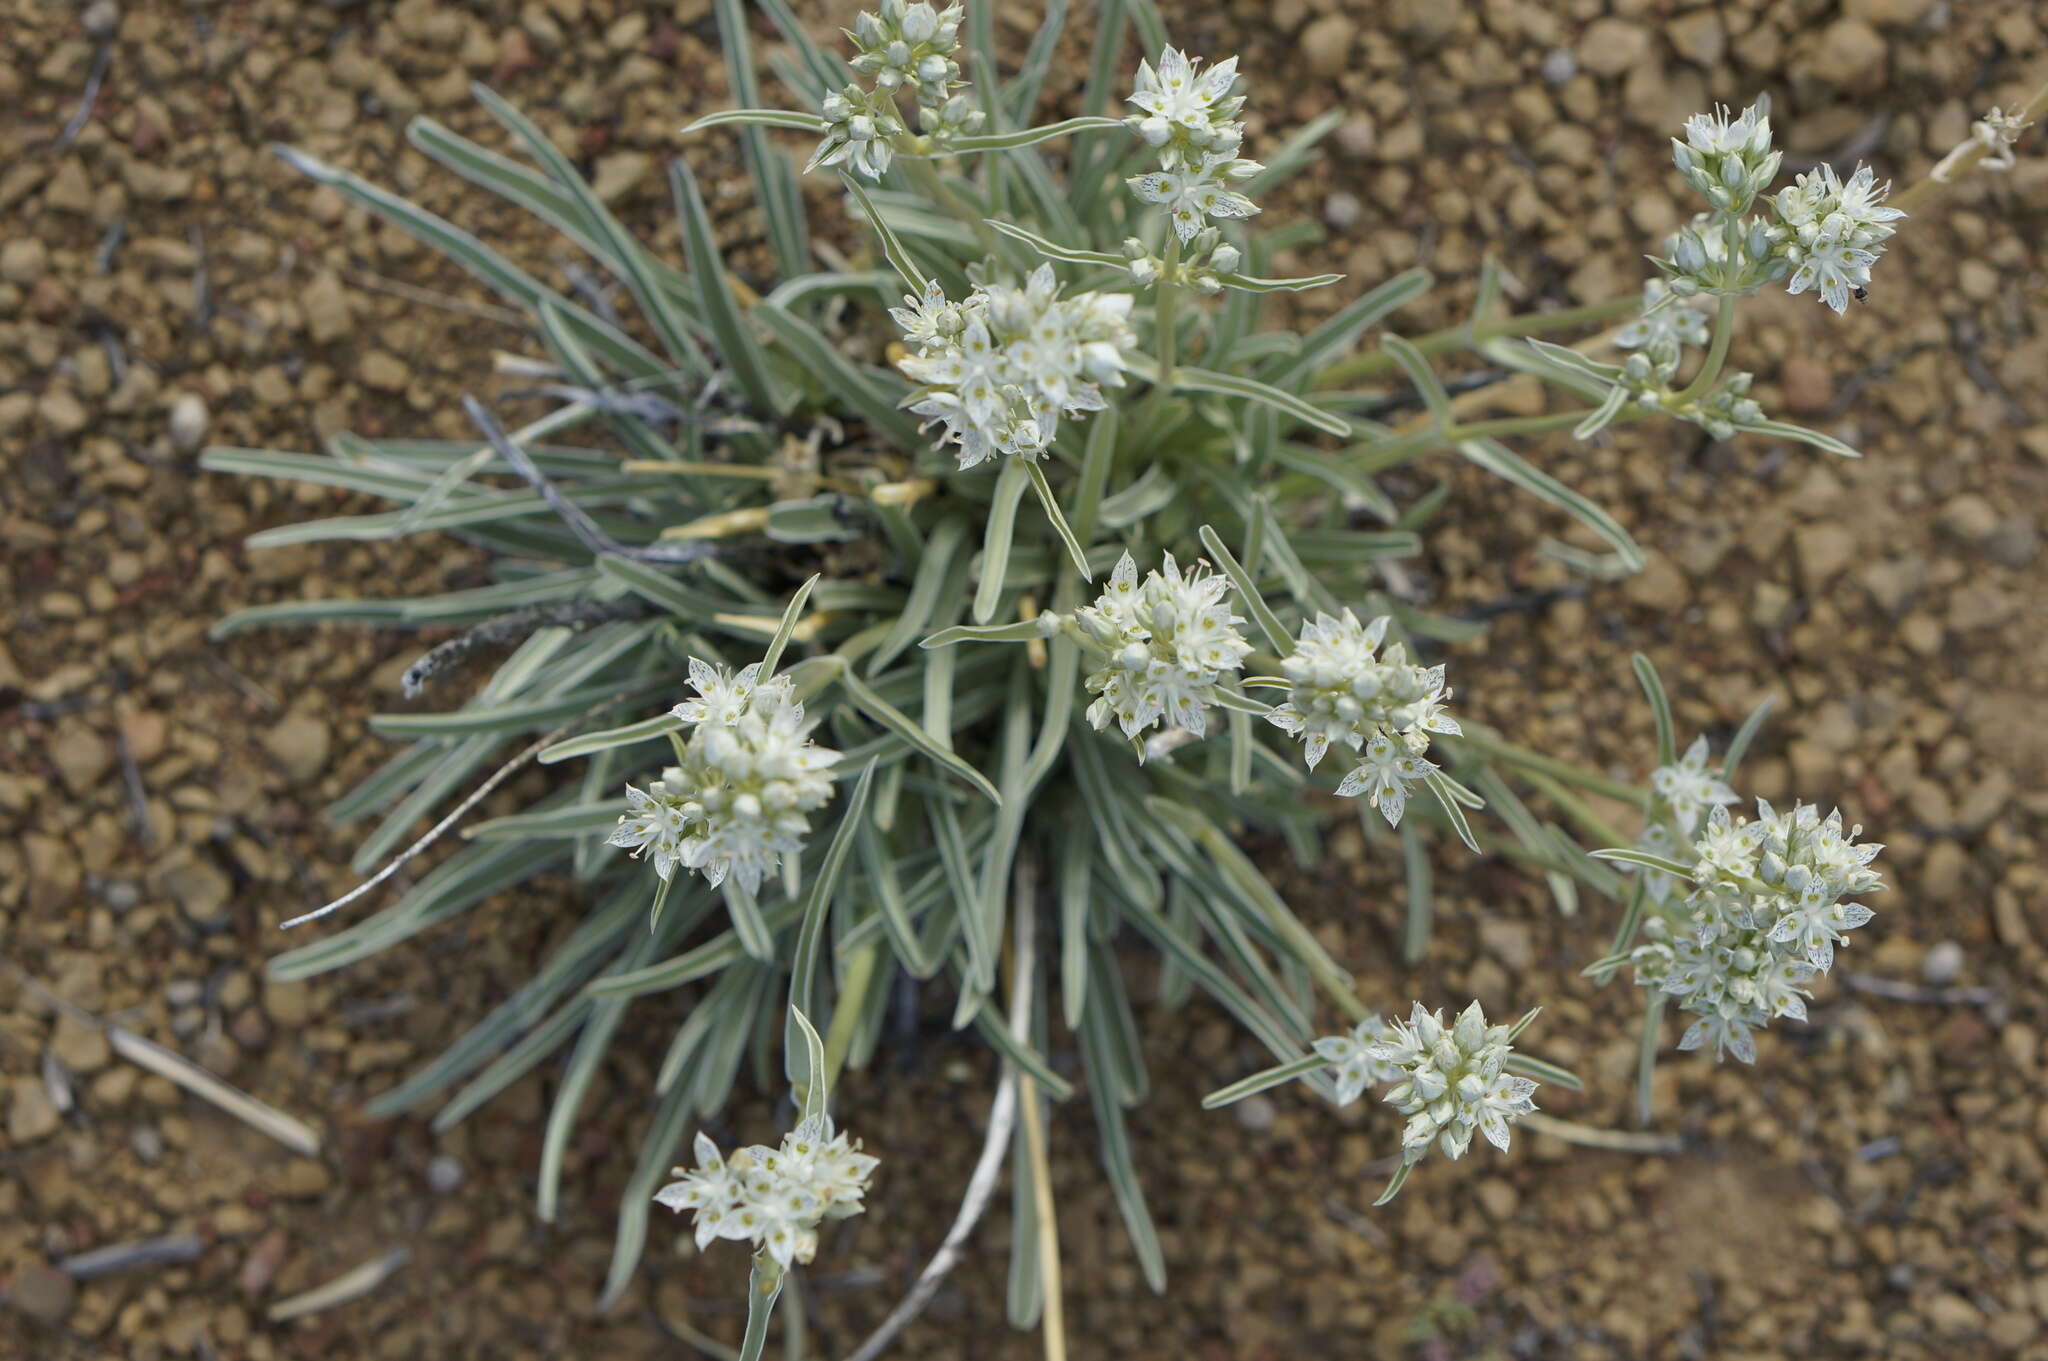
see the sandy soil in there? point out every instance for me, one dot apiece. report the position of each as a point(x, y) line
point(1875, 1187)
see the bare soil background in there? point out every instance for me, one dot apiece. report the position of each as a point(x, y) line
point(1874, 1187)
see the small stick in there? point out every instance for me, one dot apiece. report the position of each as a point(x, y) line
point(91, 96)
point(350, 1285)
point(292, 1133)
point(438, 830)
point(513, 626)
point(1613, 1140)
point(1894, 990)
point(426, 297)
point(1052, 1321)
point(981, 1185)
point(138, 796)
point(165, 1250)
point(574, 516)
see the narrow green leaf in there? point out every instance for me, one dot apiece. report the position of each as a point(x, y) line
point(1646, 861)
point(588, 743)
point(1250, 284)
point(1262, 1081)
point(997, 535)
point(1818, 439)
point(1008, 141)
point(749, 925)
point(772, 658)
point(761, 118)
point(1421, 897)
point(1527, 1065)
point(803, 971)
point(1247, 591)
point(1449, 802)
point(892, 246)
point(1738, 747)
point(1023, 631)
point(1660, 708)
point(1059, 520)
point(1251, 389)
point(1427, 385)
point(1052, 250)
point(736, 343)
point(1504, 463)
point(867, 399)
point(893, 719)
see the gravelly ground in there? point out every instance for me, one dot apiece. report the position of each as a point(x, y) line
point(1874, 1187)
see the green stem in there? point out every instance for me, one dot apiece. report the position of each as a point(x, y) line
point(1165, 311)
point(1717, 353)
point(1646, 1055)
point(1400, 449)
point(1347, 371)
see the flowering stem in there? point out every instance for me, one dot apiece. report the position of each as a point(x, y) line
point(1717, 353)
point(1964, 159)
point(764, 1283)
point(1347, 371)
point(1163, 324)
point(1406, 448)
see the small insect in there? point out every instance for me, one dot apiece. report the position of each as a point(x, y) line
point(1862, 293)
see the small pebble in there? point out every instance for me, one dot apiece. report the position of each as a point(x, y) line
point(444, 1174)
point(189, 422)
point(148, 1144)
point(100, 18)
point(1255, 1114)
point(1559, 66)
point(43, 1293)
point(1342, 210)
point(1943, 964)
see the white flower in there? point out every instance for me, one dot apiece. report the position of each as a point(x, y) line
point(1452, 1081)
point(860, 132)
point(1185, 114)
point(654, 822)
point(1000, 368)
point(1384, 777)
point(1351, 1056)
point(1170, 641)
point(1665, 321)
point(748, 780)
point(1835, 231)
point(1728, 160)
point(1765, 914)
point(909, 47)
point(1197, 191)
point(1342, 691)
point(1688, 788)
point(773, 1197)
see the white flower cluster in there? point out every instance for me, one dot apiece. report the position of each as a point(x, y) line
point(1452, 1080)
point(1192, 119)
point(1730, 161)
point(1000, 368)
point(1769, 904)
point(1351, 1055)
point(904, 47)
point(1343, 690)
point(1833, 231)
point(749, 778)
point(774, 1198)
point(909, 47)
point(1822, 233)
point(1680, 795)
point(1170, 639)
